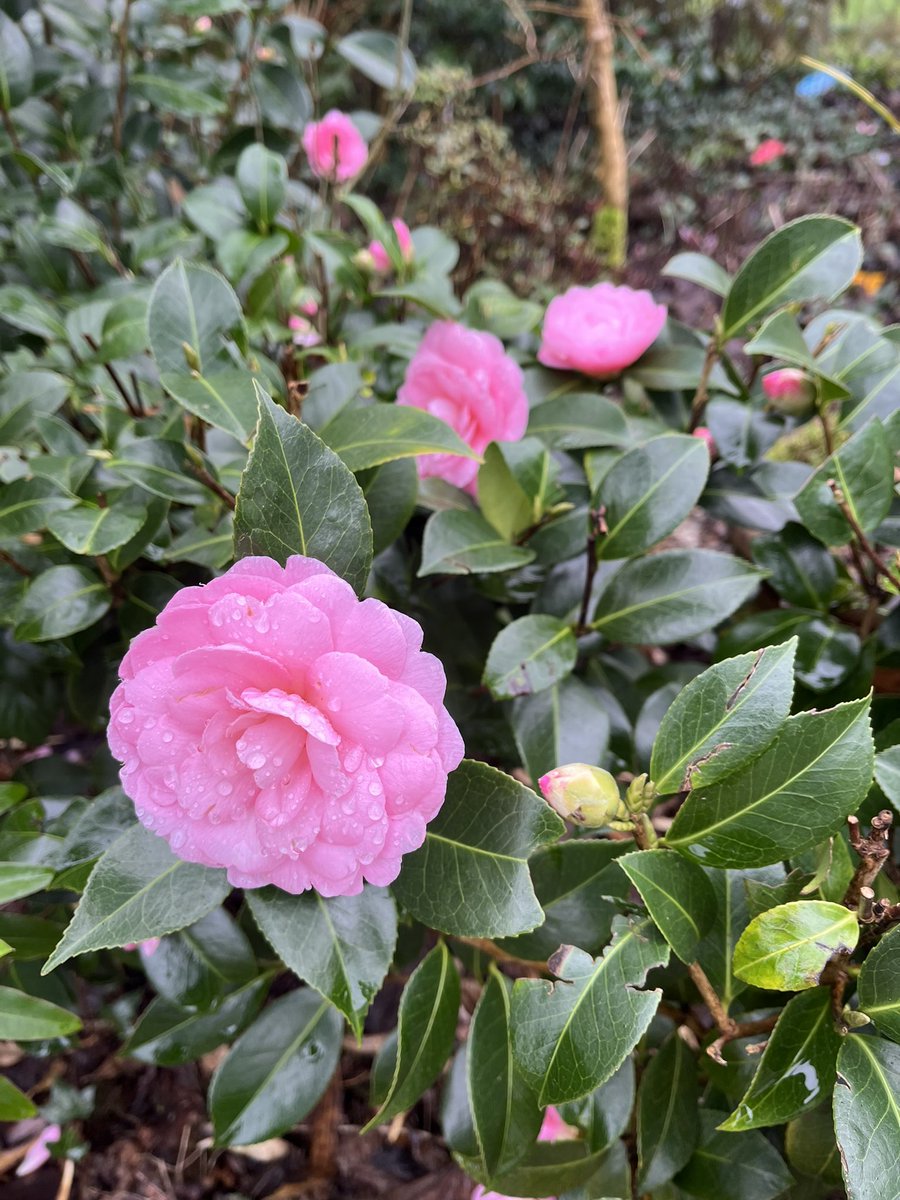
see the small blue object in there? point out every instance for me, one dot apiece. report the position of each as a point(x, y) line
point(814, 85)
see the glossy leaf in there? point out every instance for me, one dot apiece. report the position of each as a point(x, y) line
point(138, 890)
point(650, 491)
point(193, 313)
point(471, 878)
point(800, 568)
point(887, 773)
point(741, 1166)
point(426, 1030)
point(567, 1166)
point(529, 655)
point(198, 965)
point(25, 1018)
point(160, 467)
point(797, 793)
point(297, 497)
point(262, 179)
point(14, 1105)
point(379, 433)
point(878, 987)
point(505, 1113)
point(92, 531)
point(571, 1035)
point(863, 471)
point(16, 65)
point(807, 259)
point(811, 1147)
point(460, 542)
point(723, 718)
point(671, 596)
point(277, 1070)
point(796, 1071)
point(379, 57)
point(867, 1116)
point(786, 948)
point(699, 269)
point(667, 1117)
point(342, 945)
point(59, 602)
point(677, 894)
point(168, 1034)
point(577, 422)
point(225, 398)
point(577, 885)
point(563, 723)
point(605, 1114)
point(27, 505)
point(21, 879)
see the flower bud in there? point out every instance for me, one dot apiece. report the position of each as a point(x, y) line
point(640, 794)
point(584, 795)
point(790, 391)
point(704, 435)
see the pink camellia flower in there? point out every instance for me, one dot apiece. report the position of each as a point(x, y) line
point(303, 332)
point(767, 152)
point(790, 391)
point(309, 307)
point(466, 378)
point(203, 25)
point(335, 147)
point(704, 435)
point(380, 258)
point(553, 1129)
point(273, 724)
point(148, 947)
point(39, 1151)
point(599, 330)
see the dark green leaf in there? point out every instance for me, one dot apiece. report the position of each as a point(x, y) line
point(342, 945)
point(380, 57)
point(799, 567)
point(16, 65)
point(283, 97)
point(811, 1147)
point(297, 497)
point(461, 542)
point(226, 399)
point(198, 965)
point(505, 1113)
point(578, 421)
point(667, 1116)
point(741, 1166)
point(27, 505)
point(577, 885)
point(564, 723)
point(807, 259)
point(160, 467)
point(786, 948)
point(471, 876)
point(21, 879)
point(262, 179)
point(723, 718)
point(863, 471)
point(672, 596)
point(677, 894)
point(276, 1071)
point(793, 796)
point(796, 1071)
point(878, 987)
point(650, 491)
point(367, 437)
point(867, 1116)
point(169, 1034)
point(529, 655)
point(571, 1035)
point(699, 269)
point(563, 1165)
point(125, 329)
point(138, 890)
point(391, 492)
point(172, 95)
point(716, 952)
point(25, 1018)
point(192, 306)
point(60, 601)
point(89, 530)
point(426, 1030)
point(605, 1114)
point(887, 773)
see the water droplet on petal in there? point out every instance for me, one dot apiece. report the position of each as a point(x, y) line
point(224, 788)
point(168, 736)
point(126, 716)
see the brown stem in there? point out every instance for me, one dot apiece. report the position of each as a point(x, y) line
point(598, 528)
point(214, 486)
point(115, 379)
point(122, 92)
point(7, 558)
point(606, 117)
point(873, 852)
point(859, 534)
point(741, 1029)
point(701, 396)
point(827, 434)
point(323, 1135)
point(711, 999)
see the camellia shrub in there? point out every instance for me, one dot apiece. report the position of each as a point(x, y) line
point(547, 664)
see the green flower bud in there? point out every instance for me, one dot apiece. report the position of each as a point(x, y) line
point(584, 795)
point(640, 795)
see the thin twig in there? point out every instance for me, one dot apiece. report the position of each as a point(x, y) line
point(701, 396)
point(859, 534)
point(214, 486)
point(598, 528)
point(7, 558)
point(122, 92)
point(115, 378)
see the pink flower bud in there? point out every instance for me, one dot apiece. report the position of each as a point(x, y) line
point(309, 308)
point(203, 25)
point(704, 435)
point(148, 947)
point(767, 152)
point(380, 258)
point(585, 795)
point(789, 391)
point(303, 332)
point(335, 147)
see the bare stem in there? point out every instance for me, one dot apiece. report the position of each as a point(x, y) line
point(598, 529)
point(121, 94)
point(862, 541)
point(701, 396)
point(116, 380)
point(214, 486)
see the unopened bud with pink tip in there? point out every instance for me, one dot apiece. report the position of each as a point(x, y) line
point(583, 794)
point(790, 391)
point(704, 435)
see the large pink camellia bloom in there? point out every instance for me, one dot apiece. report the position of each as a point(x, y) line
point(335, 147)
point(553, 1129)
point(599, 330)
point(273, 724)
point(466, 378)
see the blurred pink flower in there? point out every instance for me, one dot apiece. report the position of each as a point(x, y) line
point(553, 1129)
point(309, 308)
point(335, 147)
point(767, 152)
point(599, 330)
point(150, 946)
point(203, 25)
point(273, 724)
point(380, 258)
point(303, 332)
point(38, 1152)
point(789, 390)
point(466, 378)
point(704, 434)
